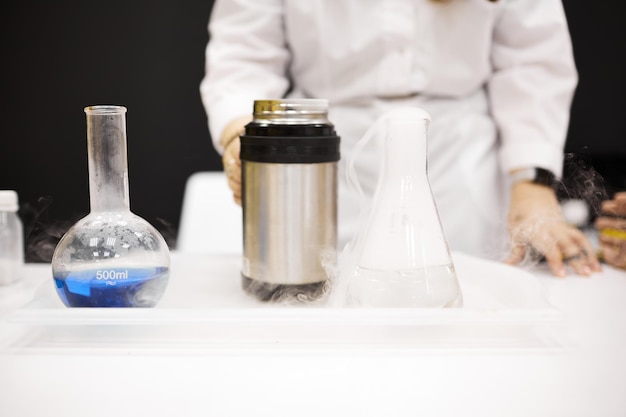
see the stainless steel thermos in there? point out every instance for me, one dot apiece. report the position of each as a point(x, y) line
point(289, 155)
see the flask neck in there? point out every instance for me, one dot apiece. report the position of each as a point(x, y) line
point(108, 166)
point(405, 152)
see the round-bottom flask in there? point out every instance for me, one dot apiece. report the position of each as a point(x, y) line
point(111, 257)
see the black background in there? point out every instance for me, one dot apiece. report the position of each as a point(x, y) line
point(148, 55)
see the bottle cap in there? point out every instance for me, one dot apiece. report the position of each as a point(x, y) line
point(8, 200)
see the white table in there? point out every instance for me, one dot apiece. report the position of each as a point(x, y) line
point(196, 361)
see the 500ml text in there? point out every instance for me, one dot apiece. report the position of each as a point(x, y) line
point(111, 274)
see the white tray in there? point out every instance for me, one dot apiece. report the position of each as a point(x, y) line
point(205, 308)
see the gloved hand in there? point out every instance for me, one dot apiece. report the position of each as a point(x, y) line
point(611, 226)
point(536, 224)
point(231, 146)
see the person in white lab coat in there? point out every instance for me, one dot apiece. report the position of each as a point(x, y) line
point(497, 78)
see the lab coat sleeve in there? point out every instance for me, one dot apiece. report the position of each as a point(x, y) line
point(533, 83)
point(246, 59)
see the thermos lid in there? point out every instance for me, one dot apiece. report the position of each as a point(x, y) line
point(8, 200)
point(289, 131)
point(291, 111)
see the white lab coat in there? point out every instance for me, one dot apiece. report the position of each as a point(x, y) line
point(496, 77)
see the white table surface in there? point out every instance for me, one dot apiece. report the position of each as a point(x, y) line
point(173, 361)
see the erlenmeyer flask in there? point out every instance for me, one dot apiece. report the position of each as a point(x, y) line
point(111, 257)
point(400, 256)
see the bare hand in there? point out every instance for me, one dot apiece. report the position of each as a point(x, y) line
point(536, 223)
point(612, 231)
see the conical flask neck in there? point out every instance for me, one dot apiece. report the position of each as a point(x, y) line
point(405, 154)
point(108, 166)
point(404, 231)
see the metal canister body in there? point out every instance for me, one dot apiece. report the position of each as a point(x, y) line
point(289, 156)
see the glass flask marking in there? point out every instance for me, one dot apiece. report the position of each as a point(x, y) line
point(112, 287)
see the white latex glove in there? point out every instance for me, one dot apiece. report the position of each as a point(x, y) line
point(536, 222)
point(231, 145)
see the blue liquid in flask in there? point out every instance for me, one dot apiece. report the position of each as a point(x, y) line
point(112, 287)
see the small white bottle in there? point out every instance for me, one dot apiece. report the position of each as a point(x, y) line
point(11, 239)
